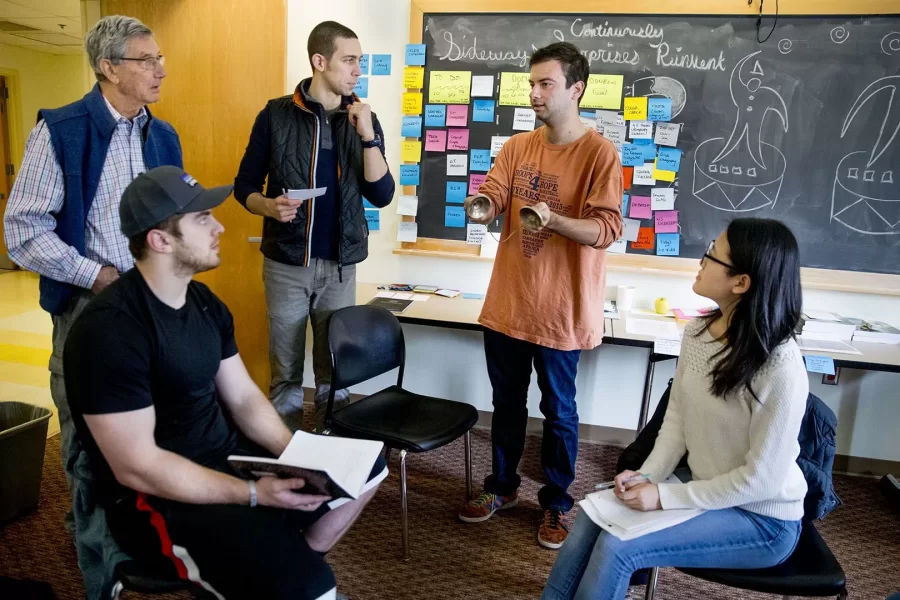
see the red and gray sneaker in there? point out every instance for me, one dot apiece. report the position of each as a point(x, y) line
point(554, 529)
point(484, 506)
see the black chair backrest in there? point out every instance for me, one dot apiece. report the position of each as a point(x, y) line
point(365, 341)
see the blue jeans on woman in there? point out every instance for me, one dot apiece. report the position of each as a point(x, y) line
point(595, 565)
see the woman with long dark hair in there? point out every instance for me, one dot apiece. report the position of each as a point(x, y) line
point(735, 408)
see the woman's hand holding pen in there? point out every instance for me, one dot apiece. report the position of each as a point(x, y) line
point(636, 492)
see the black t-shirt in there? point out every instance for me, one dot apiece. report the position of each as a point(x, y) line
point(128, 350)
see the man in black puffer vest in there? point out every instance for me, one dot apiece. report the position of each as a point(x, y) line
point(322, 136)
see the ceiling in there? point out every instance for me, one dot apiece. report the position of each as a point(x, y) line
point(52, 26)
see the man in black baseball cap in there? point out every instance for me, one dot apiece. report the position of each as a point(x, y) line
point(160, 398)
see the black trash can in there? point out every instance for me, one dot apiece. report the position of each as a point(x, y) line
point(23, 439)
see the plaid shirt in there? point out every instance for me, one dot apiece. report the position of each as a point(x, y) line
point(39, 193)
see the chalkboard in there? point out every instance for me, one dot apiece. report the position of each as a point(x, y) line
point(804, 128)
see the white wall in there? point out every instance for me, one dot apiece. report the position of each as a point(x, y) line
point(450, 363)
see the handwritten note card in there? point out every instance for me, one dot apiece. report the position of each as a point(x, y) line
point(373, 219)
point(449, 87)
point(608, 117)
point(645, 239)
point(412, 103)
point(457, 115)
point(819, 364)
point(413, 77)
point(631, 229)
point(667, 244)
point(381, 65)
point(615, 134)
point(435, 140)
point(407, 231)
point(483, 111)
point(435, 115)
point(458, 139)
point(481, 160)
point(667, 134)
point(409, 174)
point(457, 165)
point(482, 86)
point(669, 159)
point(475, 233)
point(523, 119)
point(411, 151)
point(408, 205)
point(636, 109)
point(632, 155)
point(618, 247)
point(644, 175)
point(454, 216)
point(415, 54)
point(361, 88)
point(667, 221)
point(475, 180)
point(497, 142)
point(639, 208)
point(411, 127)
point(662, 198)
point(515, 89)
point(364, 64)
point(659, 109)
point(603, 91)
point(641, 130)
point(456, 192)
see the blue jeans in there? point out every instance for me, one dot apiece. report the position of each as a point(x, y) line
point(509, 367)
point(594, 565)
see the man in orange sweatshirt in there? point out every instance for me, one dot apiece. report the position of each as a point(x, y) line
point(545, 300)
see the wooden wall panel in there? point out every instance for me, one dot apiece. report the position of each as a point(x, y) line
point(225, 59)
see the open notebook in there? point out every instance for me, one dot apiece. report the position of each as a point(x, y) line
point(609, 513)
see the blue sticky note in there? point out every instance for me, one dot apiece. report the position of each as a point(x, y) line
point(364, 64)
point(472, 296)
point(456, 192)
point(819, 364)
point(367, 204)
point(483, 111)
point(659, 109)
point(480, 160)
point(435, 115)
point(625, 205)
point(362, 87)
point(649, 151)
point(454, 216)
point(381, 64)
point(411, 127)
point(415, 54)
point(588, 115)
point(373, 219)
point(632, 155)
point(667, 244)
point(669, 159)
point(409, 174)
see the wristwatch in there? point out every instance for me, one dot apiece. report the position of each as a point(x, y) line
point(373, 143)
point(252, 493)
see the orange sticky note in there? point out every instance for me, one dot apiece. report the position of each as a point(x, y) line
point(645, 239)
point(627, 176)
point(663, 175)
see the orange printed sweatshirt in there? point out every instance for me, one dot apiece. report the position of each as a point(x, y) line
point(545, 288)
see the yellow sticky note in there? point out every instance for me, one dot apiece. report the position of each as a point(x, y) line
point(413, 77)
point(412, 103)
point(603, 91)
point(636, 109)
point(515, 89)
point(663, 175)
point(411, 151)
point(449, 87)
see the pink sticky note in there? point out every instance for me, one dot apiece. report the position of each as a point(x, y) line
point(457, 115)
point(436, 140)
point(667, 221)
point(640, 207)
point(458, 139)
point(475, 181)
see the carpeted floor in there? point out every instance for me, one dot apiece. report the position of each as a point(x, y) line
point(452, 560)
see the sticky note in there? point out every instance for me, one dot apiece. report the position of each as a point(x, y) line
point(662, 198)
point(515, 89)
point(481, 160)
point(457, 165)
point(648, 149)
point(639, 208)
point(618, 247)
point(475, 181)
point(645, 239)
point(367, 204)
point(412, 103)
point(626, 200)
point(411, 151)
point(409, 174)
point(475, 233)
point(819, 364)
point(364, 64)
point(607, 117)
point(667, 244)
point(454, 216)
point(456, 192)
point(457, 115)
point(632, 155)
point(615, 134)
point(641, 129)
point(669, 159)
point(373, 219)
point(644, 175)
point(659, 109)
point(413, 77)
point(449, 87)
point(407, 231)
point(482, 86)
point(497, 142)
point(523, 119)
point(666, 221)
point(411, 127)
point(627, 176)
point(636, 109)
point(631, 228)
point(667, 134)
point(483, 111)
point(588, 120)
point(457, 139)
point(668, 176)
point(408, 205)
point(361, 88)
point(603, 91)
point(415, 54)
point(435, 115)
point(435, 140)
point(381, 65)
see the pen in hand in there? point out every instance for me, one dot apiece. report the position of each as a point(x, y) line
point(611, 484)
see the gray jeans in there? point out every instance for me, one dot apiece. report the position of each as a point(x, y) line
point(293, 296)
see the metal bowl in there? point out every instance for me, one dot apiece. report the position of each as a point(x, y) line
point(479, 208)
point(531, 219)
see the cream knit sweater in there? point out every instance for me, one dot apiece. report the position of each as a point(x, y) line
point(742, 452)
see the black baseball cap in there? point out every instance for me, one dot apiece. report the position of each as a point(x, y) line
point(163, 192)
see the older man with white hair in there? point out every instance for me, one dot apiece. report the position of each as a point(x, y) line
point(62, 218)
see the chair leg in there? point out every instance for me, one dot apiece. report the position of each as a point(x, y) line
point(843, 595)
point(404, 525)
point(116, 592)
point(468, 465)
point(651, 584)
